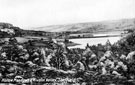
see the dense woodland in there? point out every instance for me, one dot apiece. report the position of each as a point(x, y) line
point(39, 59)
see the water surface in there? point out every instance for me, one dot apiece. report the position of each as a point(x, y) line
point(93, 41)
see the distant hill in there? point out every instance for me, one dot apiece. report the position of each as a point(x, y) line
point(5, 25)
point(8, 30)
point(113, 25)
point(5, 30)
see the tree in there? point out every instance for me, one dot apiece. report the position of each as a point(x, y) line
point(127, 44)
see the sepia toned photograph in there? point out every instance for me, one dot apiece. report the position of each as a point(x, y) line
point(67, 42)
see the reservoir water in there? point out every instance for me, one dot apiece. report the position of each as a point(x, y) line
point(93, 41)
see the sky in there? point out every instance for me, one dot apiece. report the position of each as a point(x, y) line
point(37, 13)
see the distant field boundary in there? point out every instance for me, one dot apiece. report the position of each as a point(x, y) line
point(96, 36)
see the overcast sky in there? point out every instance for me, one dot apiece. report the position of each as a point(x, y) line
point(36, 13)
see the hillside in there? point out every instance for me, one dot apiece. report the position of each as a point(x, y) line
point(112, 25)
point(78, 29)
point(8, 30)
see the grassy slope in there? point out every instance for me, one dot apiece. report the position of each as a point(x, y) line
point(113, 25)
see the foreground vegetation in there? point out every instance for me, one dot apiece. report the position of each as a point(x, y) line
point(101, 64)
point(45, 61)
